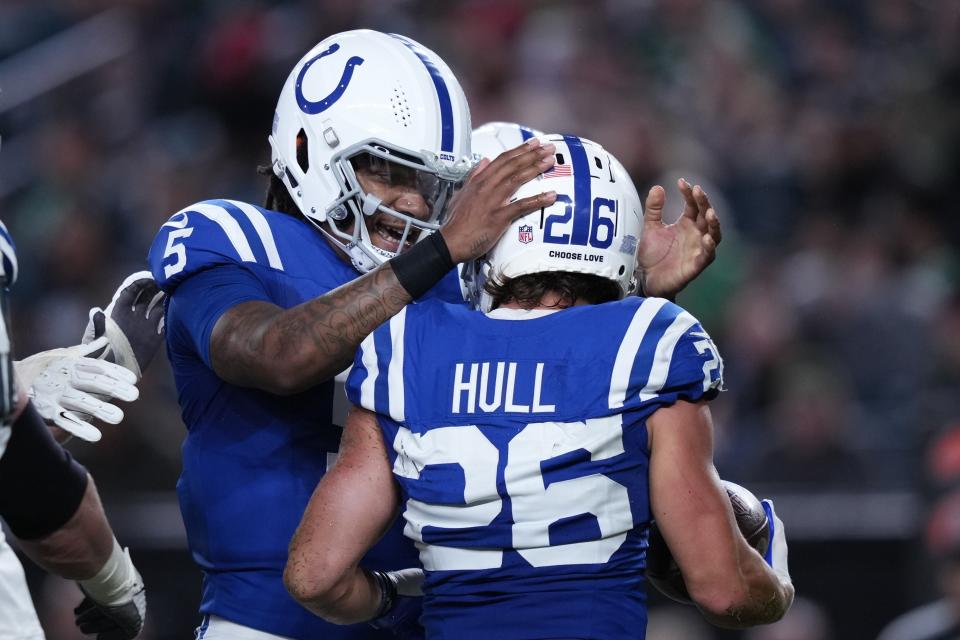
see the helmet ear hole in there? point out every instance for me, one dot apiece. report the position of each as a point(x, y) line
point(302, 156)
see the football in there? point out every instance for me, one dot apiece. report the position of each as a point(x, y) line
point(662, 569)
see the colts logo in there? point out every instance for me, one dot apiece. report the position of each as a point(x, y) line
point(313, 108)
point(526, 233)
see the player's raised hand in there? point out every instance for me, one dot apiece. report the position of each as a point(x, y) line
point(69, 387)
point(480, 213)
point(132, 323)
point(671, 256)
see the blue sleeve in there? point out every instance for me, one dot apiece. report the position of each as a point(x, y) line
point(210, 234)
point(199, 301)
point(696, 368)
point(665, 356)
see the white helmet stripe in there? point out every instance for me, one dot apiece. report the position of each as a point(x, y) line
point(443, 95)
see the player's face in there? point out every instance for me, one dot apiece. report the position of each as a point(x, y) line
point(399, 188)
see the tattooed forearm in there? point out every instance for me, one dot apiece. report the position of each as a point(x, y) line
point(260, 345)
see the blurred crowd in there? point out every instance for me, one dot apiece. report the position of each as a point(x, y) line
point(826, 132)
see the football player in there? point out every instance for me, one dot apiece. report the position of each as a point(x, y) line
point(529, 444)
point(369, 140)
point(46, 498)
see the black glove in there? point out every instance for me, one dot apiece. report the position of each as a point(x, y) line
point(122, 622)
point(132, 323)
point(403, 619)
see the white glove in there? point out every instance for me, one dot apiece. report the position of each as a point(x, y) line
point(776, 555)
point(68, 387)
point(132, 323)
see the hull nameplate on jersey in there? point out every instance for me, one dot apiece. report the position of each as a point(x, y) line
point(488, 387)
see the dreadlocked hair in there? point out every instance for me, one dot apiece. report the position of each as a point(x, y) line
point(277, 197)
point(528, 290)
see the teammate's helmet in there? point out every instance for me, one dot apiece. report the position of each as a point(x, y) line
point(593, 227)
point(384, 95)
point(493, 138)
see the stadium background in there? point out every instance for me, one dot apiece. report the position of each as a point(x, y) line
point(827, 134)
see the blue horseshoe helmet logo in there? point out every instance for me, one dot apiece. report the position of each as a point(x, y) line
point(313, 108)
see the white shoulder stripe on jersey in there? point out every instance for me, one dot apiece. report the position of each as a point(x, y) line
point(8, 252)
point(223, 218)
point(664, 355)
point(395, 368)
point(623, 365)
point(369, 361)
point(259, 222)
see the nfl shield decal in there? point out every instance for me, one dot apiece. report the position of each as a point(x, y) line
point(526, 233)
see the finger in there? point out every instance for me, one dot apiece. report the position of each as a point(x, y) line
point(505, 174)
point(92, 350)
point(523, 206)
point(478, 169)
point(99, 323)
point(521, 177)
point(713, 225)
point(113, 384)
point(689, 202)
point(155, 303)
point(653, 207)
point(74, 425)
point(703, 204)
point(128, 290)
point(518, 150)
point(81, 402)
point(84, 367)
point(709, 248)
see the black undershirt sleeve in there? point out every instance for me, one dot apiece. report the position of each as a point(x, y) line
point(41, 485)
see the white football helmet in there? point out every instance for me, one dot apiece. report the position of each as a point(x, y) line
point(593, 227)
point(383, 95)
point(493, 138)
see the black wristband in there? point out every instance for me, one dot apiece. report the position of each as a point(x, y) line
point(388, 593)
point(423, 265)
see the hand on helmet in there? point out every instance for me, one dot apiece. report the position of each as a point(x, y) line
point(480, 213)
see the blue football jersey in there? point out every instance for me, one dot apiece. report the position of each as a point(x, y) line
point(251, 459)
point(521, 450)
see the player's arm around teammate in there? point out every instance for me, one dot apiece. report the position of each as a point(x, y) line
point(258, 344)
point(349, 511)
point(731, 584)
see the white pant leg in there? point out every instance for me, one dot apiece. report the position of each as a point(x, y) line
point(18, 620)
point(216, 628)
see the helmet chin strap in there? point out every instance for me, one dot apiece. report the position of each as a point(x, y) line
point(361, 259)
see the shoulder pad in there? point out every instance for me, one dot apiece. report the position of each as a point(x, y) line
point(208, 234)
point(664, 355)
